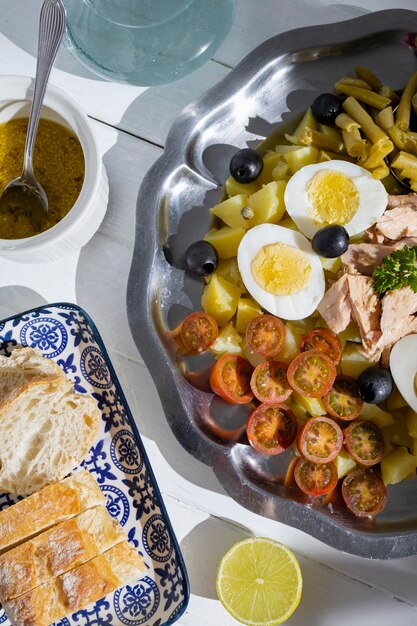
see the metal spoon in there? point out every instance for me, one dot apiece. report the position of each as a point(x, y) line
point(26, 192)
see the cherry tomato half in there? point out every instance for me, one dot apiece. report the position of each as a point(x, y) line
point(364, 442)
point(198, 332)
point(269, 382)
point(343, 401)
point(323, 340)
point(320, 439)
point(271, 429)
point(311, 373)
point(364, 492)
point(265, 335)
point(230, 379)
point(315, 479)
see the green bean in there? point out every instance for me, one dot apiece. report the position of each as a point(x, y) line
point(402, 118)
point(385, 118)
point(363, 95)
point(345, 122)
point(369, 77)
point(353, 142)
point(358, 113)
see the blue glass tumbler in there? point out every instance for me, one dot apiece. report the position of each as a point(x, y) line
point(146, 42)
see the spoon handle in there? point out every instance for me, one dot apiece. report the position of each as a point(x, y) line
point(51, 30)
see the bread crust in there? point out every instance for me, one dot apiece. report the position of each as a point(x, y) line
point(48, 507)
point(57, 550)
point(77, 588)
point(24, 368)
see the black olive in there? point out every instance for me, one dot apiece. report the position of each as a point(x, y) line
point(374, 385)
point(330, 241)
point(326, 108)
point(246, 165)
point(201, 258)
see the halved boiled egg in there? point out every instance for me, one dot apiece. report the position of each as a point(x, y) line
point(334, 192)
point(280, 271)
point(403, 366)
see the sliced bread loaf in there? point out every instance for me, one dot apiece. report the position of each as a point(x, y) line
point(23, 368)
point(58, 550)
point(54, 504)
point(77, 588)
point(45, 432)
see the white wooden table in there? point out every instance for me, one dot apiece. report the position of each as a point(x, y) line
point(131, 124)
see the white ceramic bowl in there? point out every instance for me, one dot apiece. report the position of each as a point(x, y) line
point(82, 221)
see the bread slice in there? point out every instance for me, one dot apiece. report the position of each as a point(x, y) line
point(23, 368)
point(58, 550)
point(77, 588)
point(45, 432)
point(48, 507)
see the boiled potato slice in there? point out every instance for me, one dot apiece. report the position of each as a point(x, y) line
point(396, 401)
point(233, 187)
point(299, 412)
point(307, 123)
point(299, 158)
point(254, 359)
point(305, 325)
point(374, 414)
point(314, 406)
point(247, 309)
point(268, 203)
point(411, 421)
point(281, 171)
point(287, 222)
point(228, 269)
point(226, 240)
point(220, 299)
point(344, 463)
point(397, 433)
point(229, 211)
point(291, 345)
point(353, 362)
point(331, 265)
point(351, 333)
point(228, 341)
point(397, 465)
point(271, 160)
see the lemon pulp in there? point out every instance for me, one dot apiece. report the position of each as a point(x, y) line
point(259, 582)
point(333, 197)
point(281, 269)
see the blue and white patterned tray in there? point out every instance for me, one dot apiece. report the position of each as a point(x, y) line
point(118, 461)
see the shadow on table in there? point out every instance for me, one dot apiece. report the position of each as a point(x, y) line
point(15, 298)
point(21, 28)
point(203, 549)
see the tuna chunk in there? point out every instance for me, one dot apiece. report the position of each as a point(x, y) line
point(395, 224)
point(335, 306)
point(366, 310)
point(363, 258)
point(398, 319)
point(409, 199)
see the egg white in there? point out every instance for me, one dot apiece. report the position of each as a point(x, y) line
point(372, 197)
point(292, 307)
point(403, 365)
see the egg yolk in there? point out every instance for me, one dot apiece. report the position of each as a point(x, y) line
point(333, 197)
point(281, 269)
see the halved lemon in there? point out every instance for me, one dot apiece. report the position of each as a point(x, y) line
point(259, 582)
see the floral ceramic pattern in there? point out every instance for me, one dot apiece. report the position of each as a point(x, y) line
point(118, 463)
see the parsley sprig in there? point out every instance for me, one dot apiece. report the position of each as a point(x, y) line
point(398, 269)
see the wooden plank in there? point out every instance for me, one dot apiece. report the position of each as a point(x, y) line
point(329, 597)
point(144, 112)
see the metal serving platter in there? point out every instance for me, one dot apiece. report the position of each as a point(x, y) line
point(270, 87)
